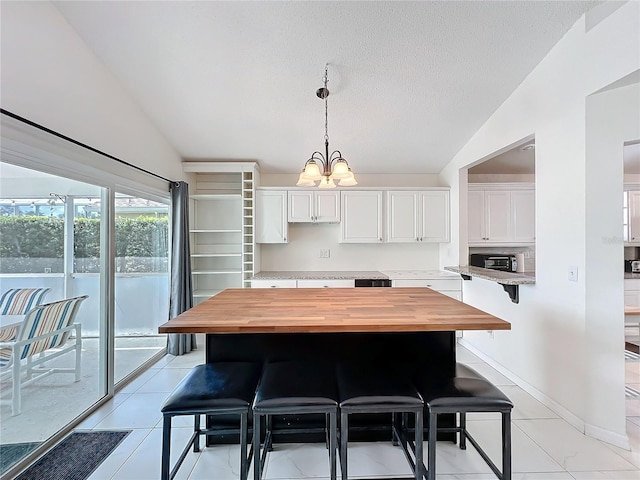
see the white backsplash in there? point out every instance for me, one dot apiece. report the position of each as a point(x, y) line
point(306, 240)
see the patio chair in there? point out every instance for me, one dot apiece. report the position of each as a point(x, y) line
point(46, 330)
point(18, 301)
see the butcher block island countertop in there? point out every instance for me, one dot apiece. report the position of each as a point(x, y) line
point(331, 310)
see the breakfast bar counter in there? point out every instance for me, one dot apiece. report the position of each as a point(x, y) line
point(339, 310)
point(411, 330)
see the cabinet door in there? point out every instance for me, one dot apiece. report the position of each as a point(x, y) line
point(634, 216)
point(402, 216)
point(434, 221)
point(325, 283)
point(286, 283)
point(327, 207)
point(475, 219)
point(498, 215)
point(300, 206)
point(523, 204)
point(361, 217)
point(271, 216)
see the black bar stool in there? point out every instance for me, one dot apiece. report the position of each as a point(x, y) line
point(467, 392)
point(364, 389)
point(211, 389)
point(295, 387)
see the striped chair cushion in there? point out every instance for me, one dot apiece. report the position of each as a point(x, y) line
point(8, 332)
point(41, 320)
point(18, 301)
point(46, 319)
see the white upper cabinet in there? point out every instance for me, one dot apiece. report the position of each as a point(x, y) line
point(402, 216)
point(418, 216)
point(314, 206)
point(501, 215)
point(271, 219)
point(361, 216)
point(435, 216)
point(497, 215)
point(523, 204)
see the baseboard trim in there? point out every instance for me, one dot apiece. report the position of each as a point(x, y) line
point(598, 433)
point(615, 439)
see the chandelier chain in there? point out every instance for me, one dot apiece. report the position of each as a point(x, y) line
point(325, 79)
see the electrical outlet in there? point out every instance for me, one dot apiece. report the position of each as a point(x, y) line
point(573, 274)
point(47, 270)
point(325, 253)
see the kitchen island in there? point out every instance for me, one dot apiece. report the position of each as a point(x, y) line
point(410, 328)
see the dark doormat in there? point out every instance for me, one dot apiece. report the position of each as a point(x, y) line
point(76, 457)
point(11, 453)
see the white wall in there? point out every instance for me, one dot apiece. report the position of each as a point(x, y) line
point(548, 350)
point(50, 77)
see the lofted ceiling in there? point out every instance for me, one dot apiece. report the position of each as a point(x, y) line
point(410, 82)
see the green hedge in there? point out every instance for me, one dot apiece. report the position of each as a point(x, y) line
point(29, 244)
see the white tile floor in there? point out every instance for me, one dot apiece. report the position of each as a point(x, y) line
point(545, 447)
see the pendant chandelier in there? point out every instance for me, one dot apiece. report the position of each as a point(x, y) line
point(326, 169)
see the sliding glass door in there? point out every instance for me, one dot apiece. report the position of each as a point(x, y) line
point(51, 237)
point(141, 280)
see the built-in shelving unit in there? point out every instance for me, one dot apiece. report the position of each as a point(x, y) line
point(221, 227)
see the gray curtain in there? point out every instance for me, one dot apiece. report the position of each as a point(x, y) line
point(181, 287)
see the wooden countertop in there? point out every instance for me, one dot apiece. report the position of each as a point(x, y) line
point(331, 310)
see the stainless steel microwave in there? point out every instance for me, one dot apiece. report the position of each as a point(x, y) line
point(506, 263)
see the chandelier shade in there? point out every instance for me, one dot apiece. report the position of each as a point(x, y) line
point(326, 169)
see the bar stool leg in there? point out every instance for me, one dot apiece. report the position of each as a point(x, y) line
point(506, 445)
point(244, 466)
point(344, 438)
point(166, 446)
point(256, 447)
point(419, 446)
point(196, 429)
point(333, 429)
point(431, 447)
point(463, 430)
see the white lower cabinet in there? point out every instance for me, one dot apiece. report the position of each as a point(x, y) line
point(632, 292)
point(286, 283)
point(449, 287)
point(325, 283)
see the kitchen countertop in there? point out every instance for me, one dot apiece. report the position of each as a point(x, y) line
point(419, 274)
point(318, 275)
point(353, 275)
point(293, 310)
point(504, 278)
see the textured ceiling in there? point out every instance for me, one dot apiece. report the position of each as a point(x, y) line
point(410, 82)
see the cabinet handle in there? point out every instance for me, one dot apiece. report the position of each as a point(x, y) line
point(380, 238)
point(272, 286)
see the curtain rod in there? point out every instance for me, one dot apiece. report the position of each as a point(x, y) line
point(83, 145)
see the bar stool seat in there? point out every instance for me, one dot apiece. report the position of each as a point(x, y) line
point(379, 390)
point(211, 389)
point(467, 392)
point(294, 387)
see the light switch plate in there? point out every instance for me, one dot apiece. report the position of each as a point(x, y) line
point(325, 253)
point(573, 274)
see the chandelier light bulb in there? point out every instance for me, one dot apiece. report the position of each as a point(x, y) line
point(327, 182)
point(340, 169)
point(312, 171)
